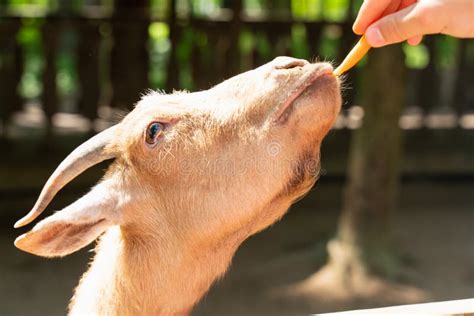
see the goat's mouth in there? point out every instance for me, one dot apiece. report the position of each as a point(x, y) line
point(313, 76)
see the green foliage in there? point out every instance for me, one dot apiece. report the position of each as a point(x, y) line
point(200, 39)
point(184, 51)
point(246, 48)
point(335, 10)
point(159, 43)
point(330, 42)
point(470, 51)
point(159, 53)
point(29, 38)
point(263, 46)
point(18, 4)
point(356, 7)
point(307, 9)
point(299, 41)
point(447, 48)
point(246, 42)
point(205, 7)
point(416, 57)
point(254, 6)
point(159, 8)
point(66, 77)
point(158, 31)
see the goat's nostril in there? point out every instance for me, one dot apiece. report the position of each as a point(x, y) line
point(288, 63)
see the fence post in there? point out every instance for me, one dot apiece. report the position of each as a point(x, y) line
point(172, 79)
point(464, 79)
point(49, 98)
point(11, 70)
point(89, 68)
point(429, 81)
point(129, 56)
point(314, 30)
point(196, 64)
point(232, 54)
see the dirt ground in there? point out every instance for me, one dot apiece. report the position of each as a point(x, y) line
point(432, 233)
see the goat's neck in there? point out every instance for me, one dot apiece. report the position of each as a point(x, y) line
point(131, 276)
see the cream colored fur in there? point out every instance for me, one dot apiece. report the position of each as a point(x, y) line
point(230, 163)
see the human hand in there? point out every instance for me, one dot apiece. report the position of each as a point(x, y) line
point(392, 21)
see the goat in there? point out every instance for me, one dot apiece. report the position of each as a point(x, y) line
point(194, 175)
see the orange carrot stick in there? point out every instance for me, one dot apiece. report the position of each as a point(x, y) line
point(354, 56)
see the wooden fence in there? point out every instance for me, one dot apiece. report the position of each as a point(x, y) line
point(459, 307)
point(118, 45)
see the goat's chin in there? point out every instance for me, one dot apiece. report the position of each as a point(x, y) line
point(319, 103)
point(322, 96)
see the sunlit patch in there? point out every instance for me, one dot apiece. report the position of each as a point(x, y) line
point(441, 120)
point(32, 116)
point(412, 118)
point(339, 124)
point(71, 121)
point(354, 117)
point(466, 121)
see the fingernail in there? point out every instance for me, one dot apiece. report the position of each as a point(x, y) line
point(374, 37)
point(354, 28)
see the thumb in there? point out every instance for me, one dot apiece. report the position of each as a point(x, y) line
point(402, 25)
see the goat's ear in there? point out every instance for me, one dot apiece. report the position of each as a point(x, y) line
point(74, 227)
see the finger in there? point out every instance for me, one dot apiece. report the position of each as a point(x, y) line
point(392, 7)
point(370, 11)
point(405, 3)
point(402, 25)
point(413, 41)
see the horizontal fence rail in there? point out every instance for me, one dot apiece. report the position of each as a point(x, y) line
point(458, 307)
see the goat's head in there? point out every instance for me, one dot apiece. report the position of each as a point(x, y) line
point(198, 165)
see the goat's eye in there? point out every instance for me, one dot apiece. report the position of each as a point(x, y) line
point(153, 132)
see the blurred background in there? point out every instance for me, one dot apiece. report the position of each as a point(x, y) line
point(390, 220)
